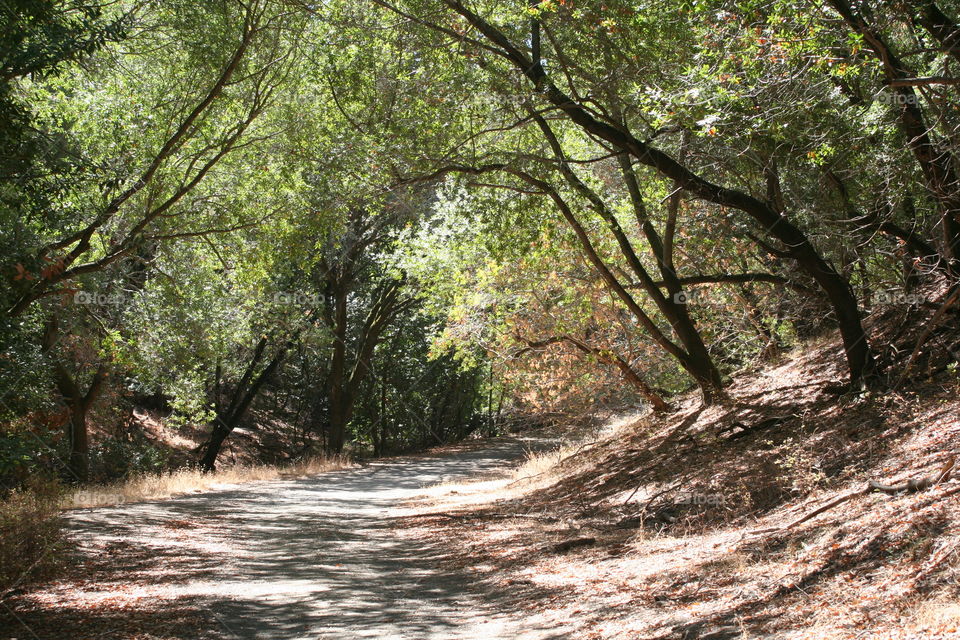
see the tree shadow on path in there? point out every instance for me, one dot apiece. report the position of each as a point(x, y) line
point(310, 558)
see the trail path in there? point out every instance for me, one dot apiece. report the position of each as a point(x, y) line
point(312, 558)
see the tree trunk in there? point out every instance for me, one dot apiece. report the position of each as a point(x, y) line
point(79, 444)
point(208, 462)
point(380, 426)
point(247, 389)
point(78, 403)
point(343, 381)
point(339, 419)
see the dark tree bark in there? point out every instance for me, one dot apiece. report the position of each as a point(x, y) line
point(78, 402)
point(380, 425)
point(339, 392)
point(247, 389)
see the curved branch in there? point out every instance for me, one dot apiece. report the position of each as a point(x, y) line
point(604, 355)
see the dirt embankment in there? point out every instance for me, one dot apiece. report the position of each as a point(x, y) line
point(678, 526)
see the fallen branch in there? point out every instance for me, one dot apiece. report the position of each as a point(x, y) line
point(745, 430)
point(917, 484)
point(912, 485)
point(646, 506)
point(828, 506)
point(525, 478)
point(452, 516)
point(473, 514)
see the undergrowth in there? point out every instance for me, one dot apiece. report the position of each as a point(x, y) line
point(32, 539)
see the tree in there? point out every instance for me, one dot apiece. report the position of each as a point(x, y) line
point(128, 189)
point(198, 139)
point(600, 122)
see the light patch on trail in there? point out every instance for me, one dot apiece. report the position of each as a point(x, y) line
point(314, 558)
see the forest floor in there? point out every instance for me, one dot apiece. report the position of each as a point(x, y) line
point(687, 525)
point(309, 558)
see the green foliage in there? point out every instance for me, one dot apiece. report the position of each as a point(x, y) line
point(341, 149)
point(117, 458)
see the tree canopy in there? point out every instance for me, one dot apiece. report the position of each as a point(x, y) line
point(397, 223)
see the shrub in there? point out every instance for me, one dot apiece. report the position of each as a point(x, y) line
point(116, 458)
point(31, 534)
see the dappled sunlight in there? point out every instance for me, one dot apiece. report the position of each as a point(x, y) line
point(672, 518)
point(309, 557)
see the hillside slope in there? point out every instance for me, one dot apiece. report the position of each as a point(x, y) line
point(677, 526)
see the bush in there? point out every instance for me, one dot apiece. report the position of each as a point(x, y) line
point(115, 459)
point(28, 447)
point(31, 534)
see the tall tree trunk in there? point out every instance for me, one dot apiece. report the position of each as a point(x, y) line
point(340, 414)
point(79, 443)
point(77, 401)
point(337, 379)
point(344, 380)
point(380, 426)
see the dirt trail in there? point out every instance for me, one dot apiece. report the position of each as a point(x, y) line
point(311, 558)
